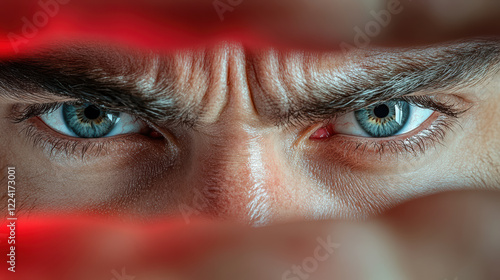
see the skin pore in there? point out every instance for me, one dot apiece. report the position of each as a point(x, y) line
point(232, 130)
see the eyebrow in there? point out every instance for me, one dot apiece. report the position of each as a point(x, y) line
point(41, 78)
point(386, 75)
point(376, 80)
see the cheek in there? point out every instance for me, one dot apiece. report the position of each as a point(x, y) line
point(67, 182)
point(357, 186)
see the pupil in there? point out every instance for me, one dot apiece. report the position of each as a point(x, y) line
point(381, 111)
point(92, 112)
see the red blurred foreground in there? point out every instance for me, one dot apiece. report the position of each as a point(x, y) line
point(28, 24)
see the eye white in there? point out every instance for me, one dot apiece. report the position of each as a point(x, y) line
point(55, 120)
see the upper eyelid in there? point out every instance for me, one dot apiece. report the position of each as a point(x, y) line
point(23, 112)
point(425, 102)
point(428, 102)
point(35, 110)
point(422, 101)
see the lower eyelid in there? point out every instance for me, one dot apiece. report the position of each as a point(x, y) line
point(53, 143)
point(91, 155)
point(427, 135)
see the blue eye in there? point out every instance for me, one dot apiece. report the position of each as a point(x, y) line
point(90, 121)
point(384, 119)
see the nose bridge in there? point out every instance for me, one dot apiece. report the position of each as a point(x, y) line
point(234, 163)
point(237, 173)
point(260, 179)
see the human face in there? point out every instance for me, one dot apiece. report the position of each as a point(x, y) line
point(251, 135)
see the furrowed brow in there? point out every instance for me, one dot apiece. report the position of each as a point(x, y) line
point(38, 78)
point(385, 75)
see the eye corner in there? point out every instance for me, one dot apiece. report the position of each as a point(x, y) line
point(422, 129)
point(322, 133)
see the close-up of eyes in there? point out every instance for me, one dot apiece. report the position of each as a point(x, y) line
point(406, 116)
point(79, 128)
point(89, 121)
point(250, 139)
point(387, 119)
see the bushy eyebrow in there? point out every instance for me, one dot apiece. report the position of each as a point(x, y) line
point(375, 80)
point(42, 77)
point(385, 76)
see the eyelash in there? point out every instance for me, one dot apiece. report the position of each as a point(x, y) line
point(417, 143)
point(414, 145)
point(60, 143)
point(57, 144)
point(20, 115)
point(428, 102)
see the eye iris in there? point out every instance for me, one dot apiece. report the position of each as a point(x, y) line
point(384, 119)
point(89, 121)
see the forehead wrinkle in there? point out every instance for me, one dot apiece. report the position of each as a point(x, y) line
point(211, 79)
point(200, 78)
point(192, 79)
point(148, 81)
point(215, 98)
point(183, 68)
point(163, 83)
point(280, 78)
point(269, 81)
point(292, 73)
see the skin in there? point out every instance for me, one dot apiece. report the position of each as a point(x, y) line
point(237, 165)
